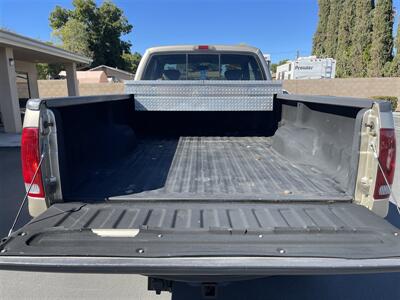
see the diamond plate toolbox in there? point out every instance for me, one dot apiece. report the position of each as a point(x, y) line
point(203, 95)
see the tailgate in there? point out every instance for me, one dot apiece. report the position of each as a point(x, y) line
point(203, 238)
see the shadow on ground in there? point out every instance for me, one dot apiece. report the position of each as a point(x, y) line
point(382, 286)
point(12, 189)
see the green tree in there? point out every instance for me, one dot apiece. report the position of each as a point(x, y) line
point(344, 43)
point(395, 64)
point(382, 38)
point(104, 25)
point(361, 38)
point(332, 28)
point(131, 61)
point(320, 34)
point(73, 36)
point(47, 71)
point(59, 17)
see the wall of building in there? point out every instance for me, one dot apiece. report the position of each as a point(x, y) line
point(29, 69)
point(284, 71)
point(58, 88)
point(350, 87)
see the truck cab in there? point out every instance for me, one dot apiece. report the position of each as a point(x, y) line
point(203, 62)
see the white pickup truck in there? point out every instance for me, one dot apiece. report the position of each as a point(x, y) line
point(205, 170)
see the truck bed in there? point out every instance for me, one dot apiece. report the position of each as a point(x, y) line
point(209, 168)
point(296, 152)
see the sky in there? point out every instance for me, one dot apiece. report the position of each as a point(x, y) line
point(278, 27)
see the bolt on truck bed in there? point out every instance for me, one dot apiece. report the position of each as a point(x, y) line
point(185, 178)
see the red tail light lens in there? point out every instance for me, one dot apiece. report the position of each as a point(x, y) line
point(30, 161)
point(387, 159)
point(203, 47)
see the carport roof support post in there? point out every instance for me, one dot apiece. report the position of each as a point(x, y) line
point(72, 81)
point(9, 103)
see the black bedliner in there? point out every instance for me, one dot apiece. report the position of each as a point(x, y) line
point(295, 153)
point(204, 229)
point(202, 168)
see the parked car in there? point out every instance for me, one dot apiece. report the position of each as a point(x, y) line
point(206, 171)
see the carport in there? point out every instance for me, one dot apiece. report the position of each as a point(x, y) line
point(19, 55)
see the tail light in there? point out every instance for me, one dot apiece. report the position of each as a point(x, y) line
point(30, 161)
point(203, 47)
point(387, 160)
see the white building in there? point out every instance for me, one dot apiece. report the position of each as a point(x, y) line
point(309, 67)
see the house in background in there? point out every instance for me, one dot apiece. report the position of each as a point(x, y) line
point(88, 76)
point(114, 74)
point(101, 74)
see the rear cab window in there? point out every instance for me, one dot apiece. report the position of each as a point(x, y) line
point(201, 66)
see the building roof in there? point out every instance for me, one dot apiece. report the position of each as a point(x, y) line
point(111, 68)
point(28, 49)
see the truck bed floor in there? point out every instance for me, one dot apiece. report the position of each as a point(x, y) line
point(207, 168)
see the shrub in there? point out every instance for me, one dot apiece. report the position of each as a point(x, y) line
point(392, 99)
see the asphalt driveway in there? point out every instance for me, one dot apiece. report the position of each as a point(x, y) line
point(12, 189)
